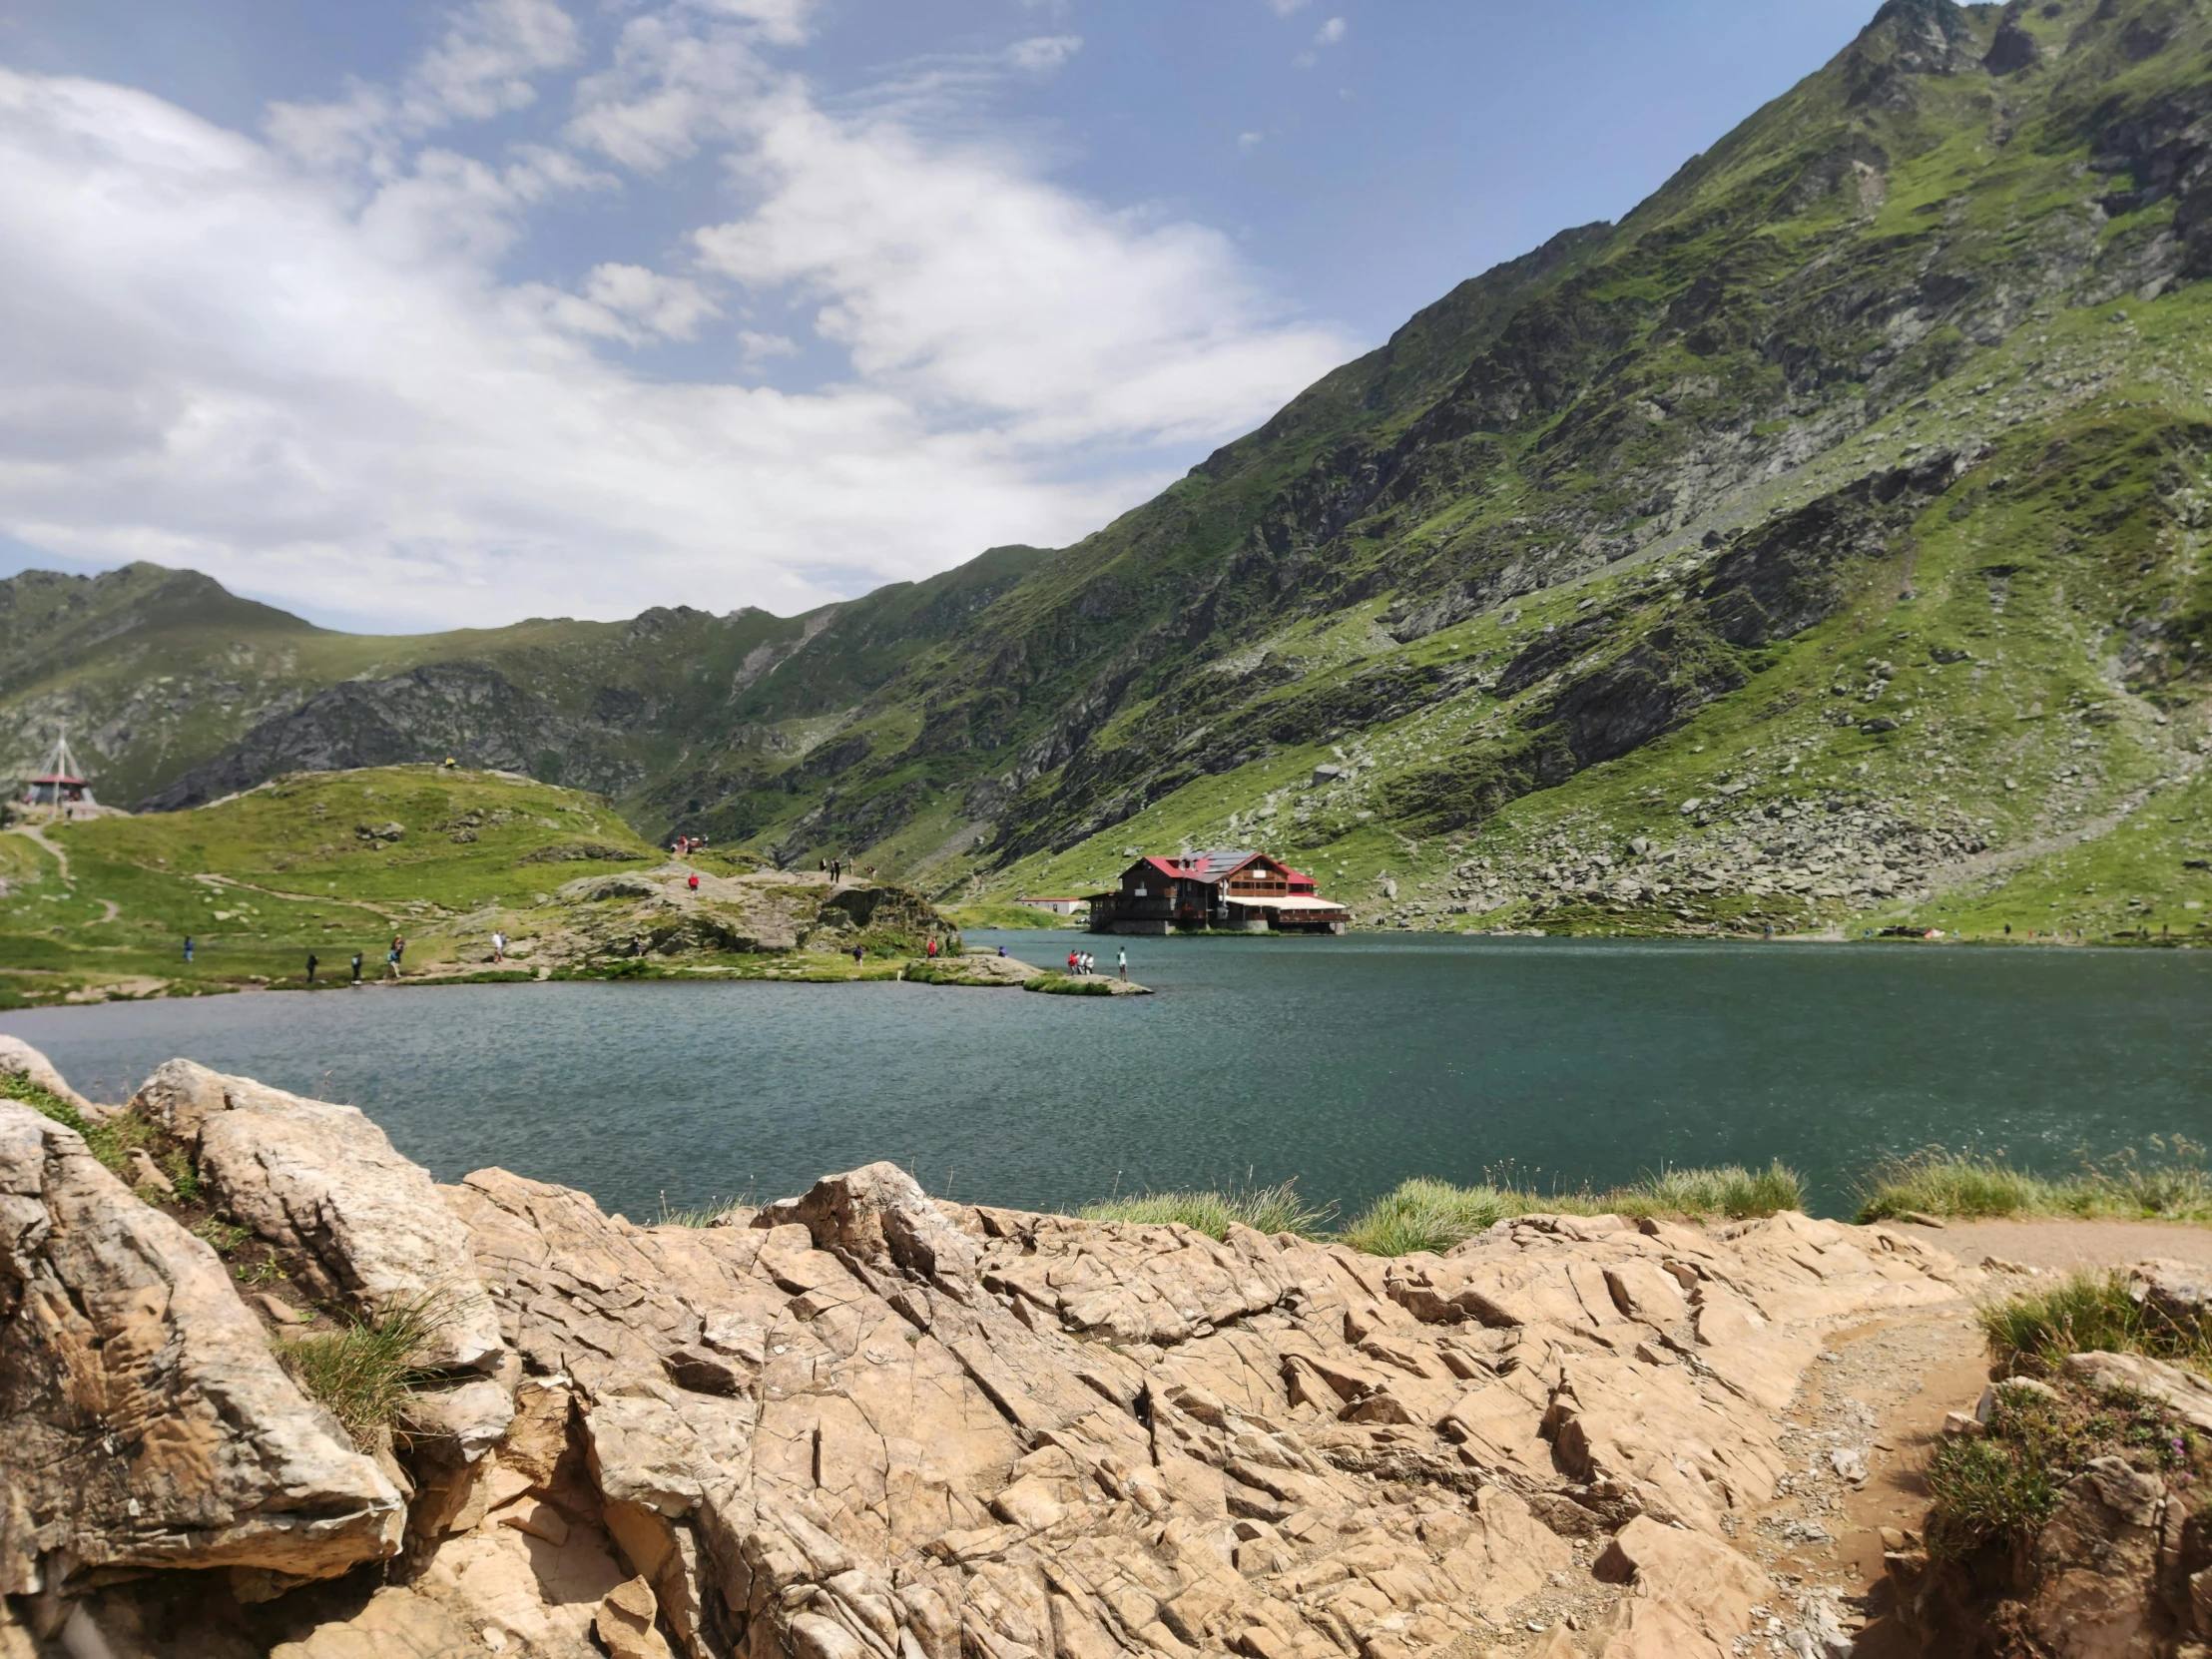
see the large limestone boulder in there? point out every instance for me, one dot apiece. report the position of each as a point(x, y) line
point(323, 1181)
point(146, 1423)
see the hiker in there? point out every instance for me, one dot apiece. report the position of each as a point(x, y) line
point(392, 956)
point(933, 948)
point(1002, 953)
point(188, 949)
point(311, 965)
point(498, 947)
point(695, 882)
point(1123, 955)
point(858, 953)
point(356, 967)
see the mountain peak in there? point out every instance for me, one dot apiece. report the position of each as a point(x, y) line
point(1906, 38)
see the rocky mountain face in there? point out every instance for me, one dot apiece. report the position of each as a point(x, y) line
point(862, 1423)
point(1857, 475)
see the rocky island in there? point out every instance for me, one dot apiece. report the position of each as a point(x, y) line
point(270, 1388)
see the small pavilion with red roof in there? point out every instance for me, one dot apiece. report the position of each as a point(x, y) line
point(1234, 891)
point(59, 785)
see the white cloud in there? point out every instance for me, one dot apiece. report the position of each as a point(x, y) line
point(1330, 33)
point(1284, 8)
point(1248, 141)
point(484, 65)
point(296, 365)
point(760, 348)
point(1044, 53)
point(670, 306)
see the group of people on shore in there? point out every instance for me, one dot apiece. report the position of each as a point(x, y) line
point(685, 845)
point(392, 955)
point(1082, 965)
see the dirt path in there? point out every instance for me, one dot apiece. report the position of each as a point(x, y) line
point(32, 832)
point(2065, 1245)
point(1875, 1400)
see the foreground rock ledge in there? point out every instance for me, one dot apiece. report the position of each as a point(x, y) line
point(147, 1423)
point(873, 1425)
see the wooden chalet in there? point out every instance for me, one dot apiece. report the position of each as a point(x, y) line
point(1244, 891)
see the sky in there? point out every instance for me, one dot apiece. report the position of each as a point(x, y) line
point(419, 315)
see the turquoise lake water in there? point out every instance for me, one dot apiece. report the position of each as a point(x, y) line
point(1348, 1063)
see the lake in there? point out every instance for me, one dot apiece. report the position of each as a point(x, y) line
point(1348, 1063)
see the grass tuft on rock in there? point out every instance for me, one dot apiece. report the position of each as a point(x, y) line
point(2176, 1187)
point(109, 1142)
point(366, 1371)
point(708, 1214)
point(1425, 1214)
point(2084, 1313)
point(1276, 1208)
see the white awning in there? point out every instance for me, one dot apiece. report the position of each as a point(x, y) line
point(1295, 901)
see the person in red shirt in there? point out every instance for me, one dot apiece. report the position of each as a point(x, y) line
point(694, 884)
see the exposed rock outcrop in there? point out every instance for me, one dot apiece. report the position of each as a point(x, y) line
point(148, 1423)
point(322, 1181)
point(659, 913)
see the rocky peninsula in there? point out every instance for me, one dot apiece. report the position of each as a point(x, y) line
point(270, 1388)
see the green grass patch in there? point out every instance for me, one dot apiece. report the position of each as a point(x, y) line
point(1975, 1185)
point(1068, 985)
point(109, 1142)
point(1003, 916)
point(1425, 1214)
point(708, 1214)
point(365, 1373)
point(1276, 1208)
point(2086, 1313)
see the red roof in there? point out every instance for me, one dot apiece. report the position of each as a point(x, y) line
point(1210, 868)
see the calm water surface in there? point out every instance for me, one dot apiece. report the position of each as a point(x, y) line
point(1349, 1063)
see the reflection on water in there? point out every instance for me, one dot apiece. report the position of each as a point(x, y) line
point(1346, 1062)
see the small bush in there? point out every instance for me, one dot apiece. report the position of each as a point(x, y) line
point(366, 1371)
point(1986, 1490)
point(1276, 1208)
point(1435, 1215)
point(2003, 1486)
point(2089, 1312)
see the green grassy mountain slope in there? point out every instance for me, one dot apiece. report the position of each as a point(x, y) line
point(1921, 337)
point(1818, 546)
